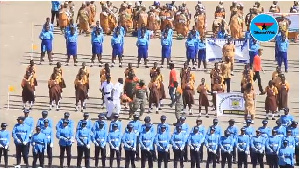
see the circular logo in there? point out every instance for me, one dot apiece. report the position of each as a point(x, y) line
point(263, 27)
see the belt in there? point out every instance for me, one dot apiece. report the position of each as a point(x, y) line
point(226, 144)
point(274, 144)
point(129, 141)
point(106, 92)
point(177, 141)
point(243, 143)
point(3, 138)
point(146, 141)
point(115, 139)
point(211, 144)
point(100, 139)
point(39, 143)
point(163, 141)
point(21, 133)
point(84, 137)
point(48, 137)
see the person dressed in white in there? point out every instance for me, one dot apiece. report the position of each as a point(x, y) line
point(116, 95)
point(106, 89)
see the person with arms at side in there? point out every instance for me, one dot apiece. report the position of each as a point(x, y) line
point(166, 45)
point(226, 73)
point(97, 45)
point(46, 45)
point(243, 146)
point(83, 138)
point(257, 68)
point(142, 44)
point(202, 53)
point(271, 101)
point(286, 156)
point(203, 91)
point(55, 11)
point(4, 143)
point(190, 45)
point(283, 46)
point(72, 40)
point(129, 142)
point(39, 147)
point(173, 79)
point(48, 131)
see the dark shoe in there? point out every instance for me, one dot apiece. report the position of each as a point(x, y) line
point(273, 118)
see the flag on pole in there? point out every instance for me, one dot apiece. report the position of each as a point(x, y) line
point(11, 88)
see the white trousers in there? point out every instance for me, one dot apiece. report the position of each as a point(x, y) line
point(112, 106)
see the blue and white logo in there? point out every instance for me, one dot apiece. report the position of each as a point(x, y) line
point(264, 27)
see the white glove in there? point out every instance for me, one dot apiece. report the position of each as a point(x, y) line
point(24, 143)
point(247, 152)
point(88, 146)
point(96, 144)
point(72, 140)
point(6, 147)
point(1, 146)
point(148, 149)
point(33, 144)
point(166, 150)
point(214, 151)
point(117, 148)
point(19, 141)
point(192, 147)
point(197, 149)
point(61, 137)
point(261, 151)
point(181, 148)
point(209, 150)
point(30, 135)
point(229, 151)
point(51, 145)
point(133, 149)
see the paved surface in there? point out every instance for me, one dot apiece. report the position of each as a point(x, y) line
point(16, 20)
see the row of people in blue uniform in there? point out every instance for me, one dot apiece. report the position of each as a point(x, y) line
point(144, 135)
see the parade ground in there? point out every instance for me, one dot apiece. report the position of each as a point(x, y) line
point(20, 26)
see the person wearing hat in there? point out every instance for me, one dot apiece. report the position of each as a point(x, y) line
point(273, 144)
point(115, 121)
point(233, 131)
point(264, 130)
point(226, 145)
point(140, 97)
point(99, 138)
point(250, 131)
point(202, 132)
point(147, 120)
point(257, 146)
point(60, 123)
point(211, 142)
point(195, 142)
point(163, 119)
point(286, 156)
point(137, 128)
point(20, 134)
point(48, 131)
point(178, 141)
point(146, 141)
point(286, 119)
point(162, 140)
point(114, 139)
point(66, 138)
point(29, 121)
point(39, 146)
point(106, 89)
point(129, 142)
point(4, 143)
point(117, 93)
point(89, 123)
point(101, 118)
point(243, 146)
point(185, 129)
point(295, 133)
point(219, 132)
point(83, 138)
point(41, 120)
point(280, 130)
point(290, 139)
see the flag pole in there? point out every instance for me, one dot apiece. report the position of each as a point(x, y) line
point(8, 98)
point(31, 57)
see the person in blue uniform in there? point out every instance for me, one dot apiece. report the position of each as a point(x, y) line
point(4, 143)
point(226, 145)
point(233, 130)
point(97, 45)
point(100, 139)
point(122, 31)
point(39, 146)
point(190, 45)
point(55, 11)
point(222, 33)
point(202, 53)
point(129, 142)
point(186, 131)
point(211, 143)
point(83, 138)
point(98, 26)
point(265, 130)
point(115, 121)
point(146, 141)
point(283, 46)
point(41, 120)
point(116, 44)
point(253, 50)
point(72, 40)
point(114, 139)
point(30, 122)
point(46, 45)
point(20, 134)
point(89, 123)
point(48, 131)
point(219, 132)
point(257, 150)
point(196, 37)
point(47, 23)
point(66, 138)
point(286, 119)
point(60, 123)
point(147, 120)
point(281, 130)
point(137, 128)
point(195, 141)
point(250, 131)
point(295, 133)
point(101, 118)
point(286, 156)
point(70, 25)
point(290, 139)
point(243, 148)
point(272, 148)
point(162, 140)
point(142, 44)
point(201, 131)
point(178, 141)
point(166, 45)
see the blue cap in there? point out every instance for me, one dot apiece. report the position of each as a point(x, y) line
point(199, 120)
point(44, 112)
point(265, 121)
point(46, 121)
point(182, 118)
point(26, 111)
point(21, 118)
point(86, 114)
point(243, 129)
point(274, 130)
point(163, 117)
point(257, 131)
point(136, 115)
point(289, 130)
point(129, 125)
point(147, 119)
point(148, 125)
point(285, 141)
point(215, 121)
point(66, 121)
point(163, 126)
point(101, 115)
point(38, 127)
point(248, 121)
point(231, 120)
point(286, 109)
point(67, 114)
point(115, 125)
point(3, 124)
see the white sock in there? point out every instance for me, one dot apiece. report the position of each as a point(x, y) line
point(156, 108)
point(273, 114)
point(268, 114)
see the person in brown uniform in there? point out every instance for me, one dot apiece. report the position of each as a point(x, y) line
point(276, 73)
point(217, 88)
point(86, 72)
point(129, 69)
point(271, 101)
point(153, 69)
point(183, 73)
point(249, 97)
point(245, 81)
point(162, 88)
point(130, 84)
point(188, 95)
point(54, 91)
point(226, 73)
point(27, 85)
point(229, 51)
point(32, 69)
point(248, 71)
point(80, 91)
point(213, 73)
point(283, 90)
point(203, 89)
point(58, 70)
point(154, 96)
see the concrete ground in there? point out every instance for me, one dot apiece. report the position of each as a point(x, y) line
point(19, 19)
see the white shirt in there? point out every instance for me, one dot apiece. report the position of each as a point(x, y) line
point(107, 88)
point(118, 89)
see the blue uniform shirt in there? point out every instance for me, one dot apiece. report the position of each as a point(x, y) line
point(72, 38)
point(152, 129)
point(119, 123)
point(257, 143)
point(162, 141)
point(233, 130)
point(218, 130)
point(55, 6)
point(212, 141)
point(122, 31)
point(250, 131)
point(201, 130)
point(226, 143)
point(291, 143)
point(254, 47)
point(4, 138)
point(41, 123)
point(243, 143)
point(190, 42)
point(142, 42)
point(281, 131)
point(97, 126)
point(201, 45)
point(196, 140)
point(100, 137)
point(114, 139)
point(29, 121)
point(283, 45)
point(46, 35)
point(168, 130)
point(146, 140)
point(221, 35)
point(295, 133)
point(165, 42)
point(170, 33)
point(65, 136)
point(51, 28)
point(89, 124)
point(185, 129)
point(265, 131)
point(116, 40)
point(83, 136)
point(60, 124)
point(178, 140)
point(286, 120)
point(39, 142)
point(137, 127)
point(48, 133)
point(21, 133)
point(286, 156)
point(129, 140)
point(97, 38)
point(273, 144)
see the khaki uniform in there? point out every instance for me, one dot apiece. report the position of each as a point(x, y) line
point(139, 100)
point(226, 70)
point(178, 102)
point(249, 97)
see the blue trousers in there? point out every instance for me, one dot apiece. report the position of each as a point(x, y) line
point(190, 52)
point(117, 50)
point(142, 51)
point(46, 45)
point(282, 57)
point(202, 55)
point(166, 51)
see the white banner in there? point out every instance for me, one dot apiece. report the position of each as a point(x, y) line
point(214, 50)
point(293, 17)
point(230, 103)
